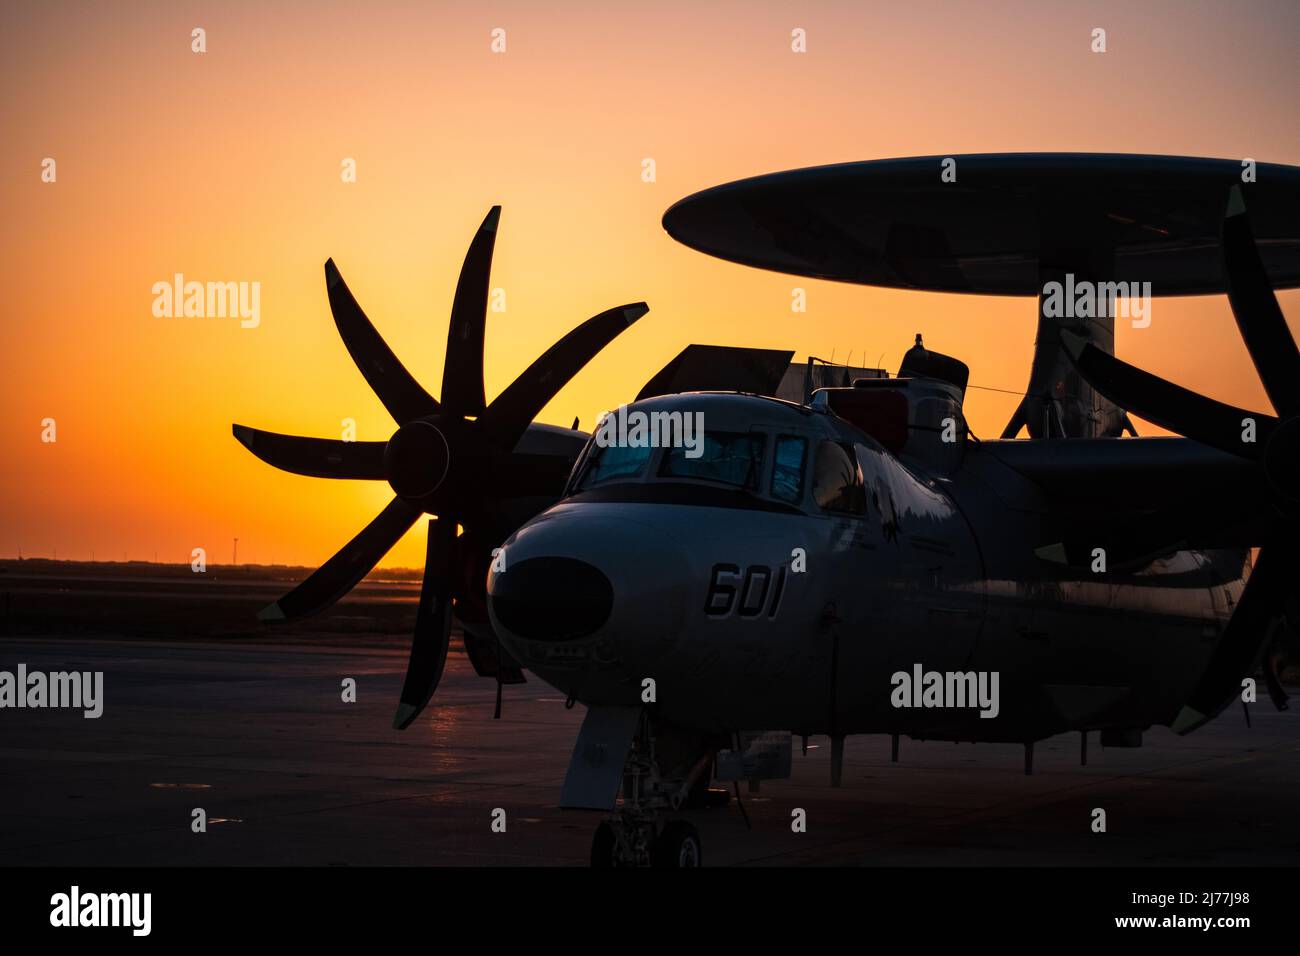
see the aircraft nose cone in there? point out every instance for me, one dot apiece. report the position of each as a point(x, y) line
point(552, 598)
point(593, 588)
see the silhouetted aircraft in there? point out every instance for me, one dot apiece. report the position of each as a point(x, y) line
point(858, 563)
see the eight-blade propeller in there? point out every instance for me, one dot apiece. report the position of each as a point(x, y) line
point(454, 459)
point(1274, 442)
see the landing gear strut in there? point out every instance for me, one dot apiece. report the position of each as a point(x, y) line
point(637, 833)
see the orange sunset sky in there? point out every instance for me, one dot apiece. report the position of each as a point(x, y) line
point(226, 166)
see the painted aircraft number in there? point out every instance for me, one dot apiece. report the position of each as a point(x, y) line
point(747, 594)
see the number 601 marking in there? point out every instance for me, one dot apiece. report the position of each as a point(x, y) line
point(748, 594)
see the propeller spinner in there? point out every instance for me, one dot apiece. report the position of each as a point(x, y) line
point(445, 458)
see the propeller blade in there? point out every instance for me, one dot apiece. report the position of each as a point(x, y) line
point(462, 371)
point(340, 574)
point(401, 394)
point(1259, 317)
point(432, 624)
point(513, 410)
point(1242, 643)
point(317, 457)
point(1168, 405)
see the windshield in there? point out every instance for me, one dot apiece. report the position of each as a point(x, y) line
point(728, 458)
point(607, 462)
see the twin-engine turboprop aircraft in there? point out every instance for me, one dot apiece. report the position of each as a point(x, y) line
point(858, 562)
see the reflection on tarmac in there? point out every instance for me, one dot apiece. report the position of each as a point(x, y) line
point(259, 736)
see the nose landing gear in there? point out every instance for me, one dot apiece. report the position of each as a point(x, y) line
point(637, 834)
point(628, 841)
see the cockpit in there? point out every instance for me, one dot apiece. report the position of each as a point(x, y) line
point(782, 460)
point(729, 459)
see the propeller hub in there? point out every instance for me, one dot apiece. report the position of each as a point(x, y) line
point(416, 459)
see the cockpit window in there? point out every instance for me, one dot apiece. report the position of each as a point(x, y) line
point(787, 468)
point(607, 462)
point(837, 479)
point(729, 458)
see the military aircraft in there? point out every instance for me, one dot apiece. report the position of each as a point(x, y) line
point(856, 561)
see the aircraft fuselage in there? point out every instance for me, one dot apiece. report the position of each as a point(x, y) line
point(783, 608)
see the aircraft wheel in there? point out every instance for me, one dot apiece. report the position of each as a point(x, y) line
point(678, 845)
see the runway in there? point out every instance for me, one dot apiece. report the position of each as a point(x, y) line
point(289, 774)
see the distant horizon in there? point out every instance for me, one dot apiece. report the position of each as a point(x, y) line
point(390, 569)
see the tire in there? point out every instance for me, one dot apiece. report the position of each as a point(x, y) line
point(678, 845)
point(603, 845)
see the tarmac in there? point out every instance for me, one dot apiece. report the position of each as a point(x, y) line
point(287, 773)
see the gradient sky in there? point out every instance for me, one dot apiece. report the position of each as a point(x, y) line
point(225, 166)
